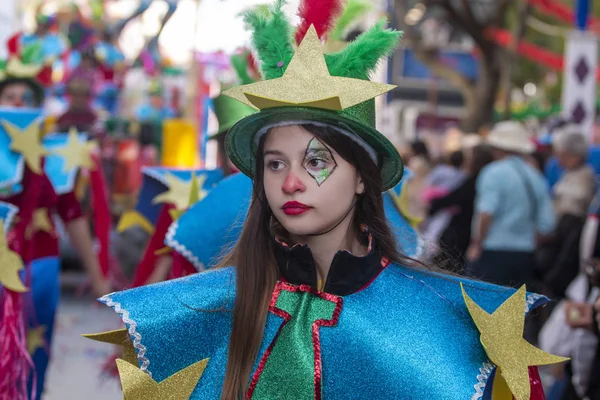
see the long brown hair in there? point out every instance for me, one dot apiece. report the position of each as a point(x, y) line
point(256, 269)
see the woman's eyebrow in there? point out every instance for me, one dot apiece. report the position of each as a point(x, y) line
point(272, 152)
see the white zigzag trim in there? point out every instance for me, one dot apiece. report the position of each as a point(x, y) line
point(10, 215)
point(180, 248)
point(137, 337)
point(484, 374)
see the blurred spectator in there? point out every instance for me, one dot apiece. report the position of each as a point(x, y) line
point(80, 113)
point(455, 239)
point(572, 329)
point(512, 207)
point(442, 180)
point(416, 157)
point(575, 189)
point(558, 259)
point(155, 109)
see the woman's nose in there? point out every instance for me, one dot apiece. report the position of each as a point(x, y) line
point(293, 184)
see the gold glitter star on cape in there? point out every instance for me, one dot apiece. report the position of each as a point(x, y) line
point(26, 142)
point(35, 339)
point(137, 385)
point(502, 339)
point(76, 152)
point(40, 222)
point(178, 193)
point(10, 265)
point(307, 82)
point(194, 197)
point(120, 337)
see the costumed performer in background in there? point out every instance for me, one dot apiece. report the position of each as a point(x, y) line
point(34, 236)
point(315, 281)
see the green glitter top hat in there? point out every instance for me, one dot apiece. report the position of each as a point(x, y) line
point(304, 86)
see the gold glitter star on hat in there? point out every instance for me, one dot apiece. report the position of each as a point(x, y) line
point(10, 265)
point(26, 142)
point(307, 82)
point(178, 193)
point(76, 152)
point(502, 339)
point(138, 385)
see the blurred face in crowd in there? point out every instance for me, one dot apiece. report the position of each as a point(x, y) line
point(568, 160)
point(156, 101)
point(17, 94)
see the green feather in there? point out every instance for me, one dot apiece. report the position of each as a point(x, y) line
point(272, 39)
point(361, 56)
point(354, 9)
point(240, 65)
point(32, 54)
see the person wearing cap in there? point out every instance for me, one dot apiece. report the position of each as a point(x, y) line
point(512, 208)
point(315, 300)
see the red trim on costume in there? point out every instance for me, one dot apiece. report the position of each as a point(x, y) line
point(537, 390)
point(315, 331)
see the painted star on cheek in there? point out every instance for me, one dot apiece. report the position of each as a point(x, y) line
point(319, 161)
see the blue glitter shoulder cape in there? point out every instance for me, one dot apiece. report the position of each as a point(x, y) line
point(408, 335)
point(223, 212)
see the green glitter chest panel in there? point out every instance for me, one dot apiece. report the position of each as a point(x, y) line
point(291, 366)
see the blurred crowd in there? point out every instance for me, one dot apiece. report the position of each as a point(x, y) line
point(513, 209)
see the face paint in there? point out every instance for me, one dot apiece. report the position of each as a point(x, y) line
point(318, 161)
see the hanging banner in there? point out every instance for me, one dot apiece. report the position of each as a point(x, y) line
point(579, 84)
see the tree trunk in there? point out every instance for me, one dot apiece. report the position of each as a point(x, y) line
point(485, 95)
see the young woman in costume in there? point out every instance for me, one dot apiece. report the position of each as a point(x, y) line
point(316, 300)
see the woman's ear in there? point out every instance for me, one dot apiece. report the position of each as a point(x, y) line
point(360, 185)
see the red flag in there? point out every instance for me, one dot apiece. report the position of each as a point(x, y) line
point(102, 219)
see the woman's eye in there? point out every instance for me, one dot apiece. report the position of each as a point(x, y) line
point(316, 163)
point(275, 165)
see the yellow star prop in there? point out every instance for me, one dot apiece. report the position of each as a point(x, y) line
point(26, 142)
point(307, 82)
point(194, 197)
point(76, 152)
point(40, 222)
point(35, 339)
point(133, 218)
point(502, 339)
point(179, 386)
point(10, 265)
point(120, 337)
point(178, 193)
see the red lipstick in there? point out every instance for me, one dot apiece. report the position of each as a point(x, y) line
point(295, 208)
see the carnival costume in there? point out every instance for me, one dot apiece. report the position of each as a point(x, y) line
point(377, 330)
